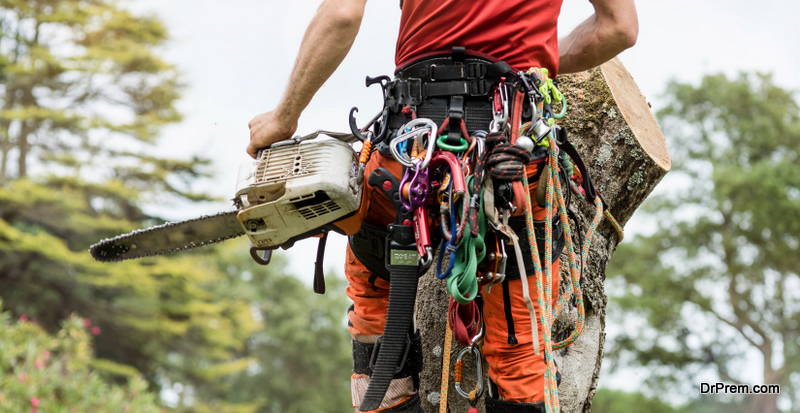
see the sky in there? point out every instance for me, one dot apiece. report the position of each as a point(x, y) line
point(235, 57)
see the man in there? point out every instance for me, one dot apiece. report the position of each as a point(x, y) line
point(520, 33)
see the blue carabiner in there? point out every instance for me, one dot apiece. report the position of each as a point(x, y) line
point(451, 248)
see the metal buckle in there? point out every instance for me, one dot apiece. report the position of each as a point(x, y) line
point(373, 358)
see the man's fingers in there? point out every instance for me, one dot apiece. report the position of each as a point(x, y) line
point(252, 151)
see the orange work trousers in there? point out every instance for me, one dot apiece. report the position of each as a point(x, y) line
point(514, 368)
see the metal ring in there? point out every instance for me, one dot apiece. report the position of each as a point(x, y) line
point(452, 148)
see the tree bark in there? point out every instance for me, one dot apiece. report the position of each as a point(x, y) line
point(611, 125)
point(23, 147)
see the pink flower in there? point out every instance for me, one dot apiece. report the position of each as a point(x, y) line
point(46, 354)
point(23, 318)
point(22, 377)
point(39, 363)
point(34, 402)
point(96, 330)
point(87, 322)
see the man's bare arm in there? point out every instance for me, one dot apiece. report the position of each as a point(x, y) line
point(325, 44)
point(611, 29)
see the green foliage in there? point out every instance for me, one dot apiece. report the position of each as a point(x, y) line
point(721, 275)
point(617, 401)
point(83, 98)
point(177, 318)
point(52, 373)
point(302, 355)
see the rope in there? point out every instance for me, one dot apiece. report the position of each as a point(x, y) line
point(545, 311)
point(465, 214)
point(506, 161)
point(616, 225)
point(448, 347)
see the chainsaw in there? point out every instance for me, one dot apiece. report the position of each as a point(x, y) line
point(295, 189)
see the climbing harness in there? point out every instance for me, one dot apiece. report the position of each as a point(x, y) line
point(478, 174)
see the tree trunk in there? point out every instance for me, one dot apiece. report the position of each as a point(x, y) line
point(5, 146)
point(22, 146)
point(610, 123)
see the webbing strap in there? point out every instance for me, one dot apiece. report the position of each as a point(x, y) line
point(463, 281)
point(587, 185)
point(363, 355)
point(526, 295)
point(464, 320)
point(319, 275)
point(402, 294)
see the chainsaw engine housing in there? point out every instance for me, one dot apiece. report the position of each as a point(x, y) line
point(297, 188)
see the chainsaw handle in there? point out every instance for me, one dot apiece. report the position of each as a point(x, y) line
point(265, 259)
point(278, 144)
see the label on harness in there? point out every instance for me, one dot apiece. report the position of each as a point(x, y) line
point(404, 257)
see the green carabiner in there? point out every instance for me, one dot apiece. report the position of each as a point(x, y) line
point(563, 108)
point(441, 142)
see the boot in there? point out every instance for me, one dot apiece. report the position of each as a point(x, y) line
point(411, 405)
point(502, 406)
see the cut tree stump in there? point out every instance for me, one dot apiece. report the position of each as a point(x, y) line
point(611, 125)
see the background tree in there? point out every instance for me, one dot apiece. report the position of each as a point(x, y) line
point(618, 401)
point(718, 280)
point(82, 87)
point(302, 355)
point(83, 98)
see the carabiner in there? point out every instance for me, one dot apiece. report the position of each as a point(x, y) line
point(428, 127)
point(500, 112)
point(479, 367)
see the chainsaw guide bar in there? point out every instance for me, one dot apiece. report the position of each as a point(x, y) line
point(169, 238)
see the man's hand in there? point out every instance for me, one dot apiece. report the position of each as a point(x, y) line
point(325, 44)
point(266, 129)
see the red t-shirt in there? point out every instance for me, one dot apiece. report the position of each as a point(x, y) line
point(520, 33)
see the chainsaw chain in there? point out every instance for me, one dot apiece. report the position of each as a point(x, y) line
point(100, 251)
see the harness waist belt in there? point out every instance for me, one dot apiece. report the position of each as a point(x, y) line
point(430, 85)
